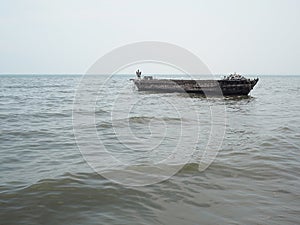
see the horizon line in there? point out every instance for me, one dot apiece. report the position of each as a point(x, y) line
point(151, 74)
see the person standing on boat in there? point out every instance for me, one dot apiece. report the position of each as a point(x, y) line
point(138, 73)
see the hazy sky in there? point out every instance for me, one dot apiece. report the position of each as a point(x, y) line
point(57, 36)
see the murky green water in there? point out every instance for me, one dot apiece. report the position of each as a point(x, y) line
point(45, 180)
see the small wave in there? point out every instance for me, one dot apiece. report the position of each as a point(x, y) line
point(35, 86)
point(104, 125)
point(284, 129)
point(146, 119)
point(182, 168)
point(136, 120)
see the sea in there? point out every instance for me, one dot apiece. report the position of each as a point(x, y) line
point(104, 153)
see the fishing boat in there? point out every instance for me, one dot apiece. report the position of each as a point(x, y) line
point(234, 84)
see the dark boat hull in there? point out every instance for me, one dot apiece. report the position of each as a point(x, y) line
point(205, 87)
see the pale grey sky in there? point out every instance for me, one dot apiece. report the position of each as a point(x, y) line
point(57, 36)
